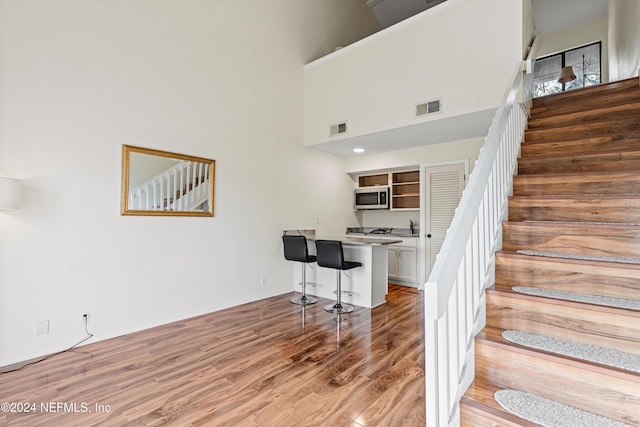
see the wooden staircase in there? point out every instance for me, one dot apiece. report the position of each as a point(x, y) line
point(574, 227)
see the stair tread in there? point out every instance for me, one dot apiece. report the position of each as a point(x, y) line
point(626, 303)
point(547, 412)
point(569, 132)
point(596, 184)
point(577, 227)
point(568, 107)
point(571, 118)
point(577, 197)
point(600, 355)
point(585, 154)
point(479, 399)
point(614, 311)
point(592, 124)
point(594, 175)
point(577, 262)
point(603, 241)
point(494, 337)
point(625, 84)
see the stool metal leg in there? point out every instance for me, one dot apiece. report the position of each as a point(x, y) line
point(338, 307)
point(304, 299)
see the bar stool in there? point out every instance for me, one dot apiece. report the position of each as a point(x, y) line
point(295, 249)
point(331, 255)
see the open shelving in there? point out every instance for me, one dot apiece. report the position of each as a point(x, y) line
point(405, 190)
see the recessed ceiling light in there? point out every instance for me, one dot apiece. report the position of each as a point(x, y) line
point(358, 150)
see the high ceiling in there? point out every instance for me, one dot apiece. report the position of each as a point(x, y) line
point(550, 16)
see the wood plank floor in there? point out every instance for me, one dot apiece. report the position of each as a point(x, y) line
point(267, 363)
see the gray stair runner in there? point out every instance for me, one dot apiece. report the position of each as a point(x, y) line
point(549, 413)
point(586, 298)
point(580, 257)
point(578, 350)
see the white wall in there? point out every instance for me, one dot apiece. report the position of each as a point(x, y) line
point(591, 32)
point(463, 51)
point(624, 39)
point(528, 26)
point(217, 79)
point(436, 153)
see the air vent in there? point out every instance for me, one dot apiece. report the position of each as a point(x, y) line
point(429, 107)
point(338, 129)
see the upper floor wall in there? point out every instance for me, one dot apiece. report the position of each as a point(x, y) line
point(624, 39)
point(461, 52)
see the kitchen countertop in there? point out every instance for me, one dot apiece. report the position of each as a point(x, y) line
point(346, 239)
point(356, 240)
point(382, 232)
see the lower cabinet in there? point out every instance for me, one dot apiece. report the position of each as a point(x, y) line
point(403, 263)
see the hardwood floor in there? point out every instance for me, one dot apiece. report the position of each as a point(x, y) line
point(267, 363)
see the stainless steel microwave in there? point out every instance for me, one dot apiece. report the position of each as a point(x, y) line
point(372, 197)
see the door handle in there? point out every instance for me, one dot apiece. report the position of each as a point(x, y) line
point(429, 236)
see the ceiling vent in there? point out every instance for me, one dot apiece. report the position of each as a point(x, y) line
point(338, 129)
point(430, 107)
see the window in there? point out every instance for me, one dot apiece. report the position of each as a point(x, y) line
point(585, 61)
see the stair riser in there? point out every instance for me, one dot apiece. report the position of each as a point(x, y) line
point(568, 133)
point(595, 240)
point(560, 380)
point(599, 144)
point(618, 112)
point(608, 162)
point(472, 417)
point(611, 210)
point(594, 278)
point(576, 185)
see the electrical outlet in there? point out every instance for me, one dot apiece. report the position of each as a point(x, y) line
point(263, 281)
point(42, 327)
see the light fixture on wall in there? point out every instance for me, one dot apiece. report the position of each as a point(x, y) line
point(10, 193)
point(566, 75)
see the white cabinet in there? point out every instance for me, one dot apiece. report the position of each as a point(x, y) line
point(403, 262)
point(394, 262)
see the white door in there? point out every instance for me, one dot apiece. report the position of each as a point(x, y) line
point(443, 189)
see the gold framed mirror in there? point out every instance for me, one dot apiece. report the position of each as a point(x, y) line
point(160, 183)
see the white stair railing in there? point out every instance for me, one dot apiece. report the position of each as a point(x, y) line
point(455, 291)
point(182, 187)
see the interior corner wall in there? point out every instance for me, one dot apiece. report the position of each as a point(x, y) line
point(591, 32)
point(528, 27)
point(322, 24)
point(624, 39)
point(214, 79)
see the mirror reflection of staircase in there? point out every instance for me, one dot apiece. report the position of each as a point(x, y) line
point(561, 346)
point(183, 187)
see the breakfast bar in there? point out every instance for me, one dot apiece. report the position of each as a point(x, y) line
point(364, 286)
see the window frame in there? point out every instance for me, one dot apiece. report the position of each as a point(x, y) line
point(563, 54)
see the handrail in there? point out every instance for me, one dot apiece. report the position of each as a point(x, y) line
point(454, 292)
